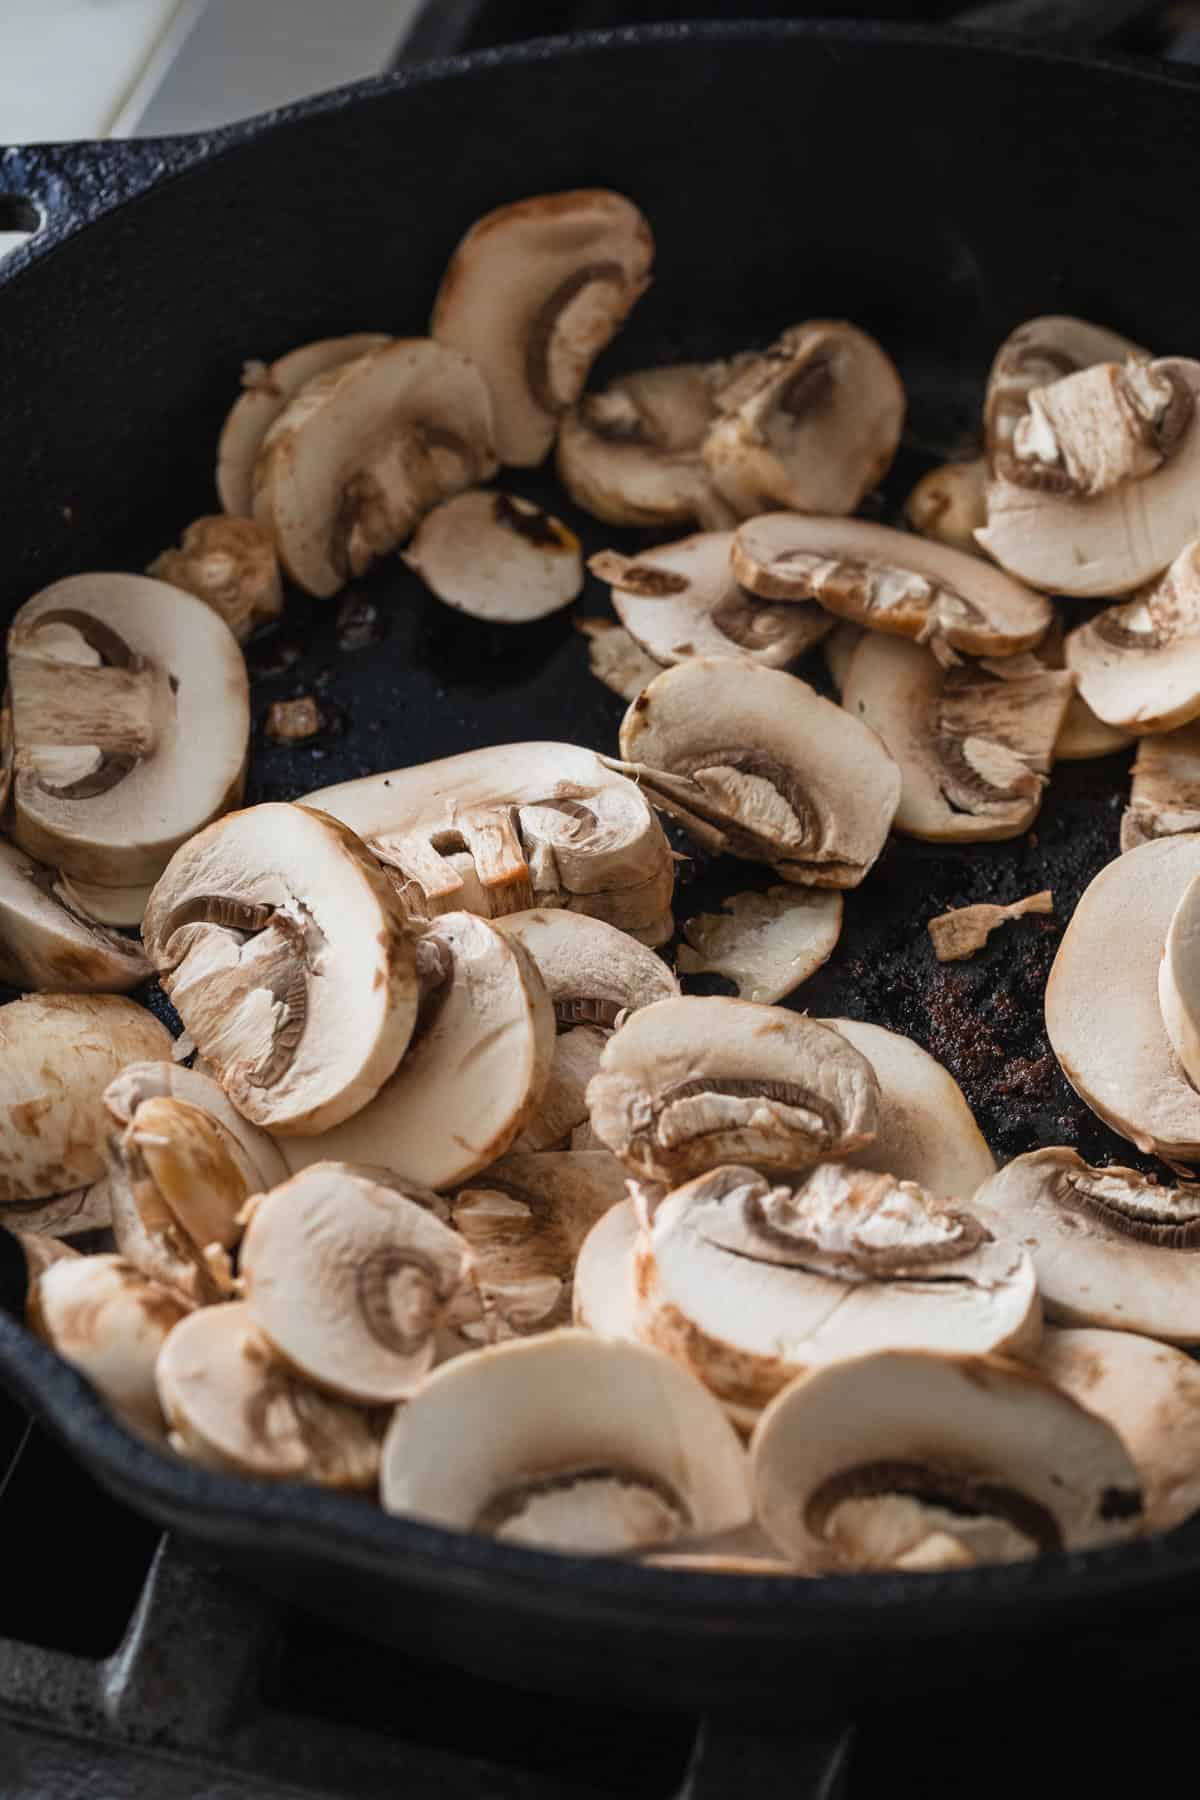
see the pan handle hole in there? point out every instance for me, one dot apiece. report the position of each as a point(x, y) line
point(20, 218)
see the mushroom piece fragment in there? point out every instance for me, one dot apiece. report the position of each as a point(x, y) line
point(812, 423)
point(754, 762)
point(532, 294)
point(958, 934)
point(630, 454)
point(229, 564)
point(131, 720)
point(838, 650)
point(689, 1083)
point(260, 927)
point(949, 504)
point(616, 658)
point(40, 1251)
point(974, 743)
point(1038, 352)
point(567, 1442)
point(767, 944)
point(1179, 981)
point(890, 581)
point(1138, 664)
point(681, 601)
point(496, 556)
point(1082, 735)
point(865, 1464)
point(46, 943)
point(1102, 1007)
point(362, 452)
point(1164, 799)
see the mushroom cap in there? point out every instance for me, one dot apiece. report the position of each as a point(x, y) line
point(497, 556)
point(813, 423)
point(689, 1083)
point(973, 743)
point(1164, 798)
point(131, 719)
point(890, 581)
point(473, 1074)
point(230, 565)
point(592, 972)
point(603, 1296)
point(348, 1278)
point(1179, 980)
point(838, 650)
point(949, 504)
point(1038, 351)
point(58, 1053)
point(256, 1153)
point(630, 454)
point(1150, 1394)
point(266, 390)
point(755, 762)
point(995, 1437)
point(532, 294)
point(768, 944)
point(681, 600)
point(232, 1406)
point(46, 943)
point(260, 928)
point(567, 1442)
point(750, 1285)
point(360, 453)
point(1102, 1008)
point(925, 1131)
point(1138, 664)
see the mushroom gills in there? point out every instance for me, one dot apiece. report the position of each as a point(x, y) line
point(1138, 663)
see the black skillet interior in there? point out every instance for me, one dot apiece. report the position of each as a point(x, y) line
point(933, 189)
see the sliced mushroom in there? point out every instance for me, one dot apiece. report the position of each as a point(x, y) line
point(958, 934)
point(46, 943)
point(110, 1322)
point(230, 565)
point(362, 452)
point(616, 659)
point(473, 1074)
point(925, 1132)
point(1041, 351)
point(40, 1251)
point(562, 1107)
point(949, 504)
point(567, 1442)
point(748, 1551)
point(750, 1285)
point(985, 1451)
point(682, 601)
point(290, 960)
point(74, 1214)
point(1082, 735)
point(497, 556)
point(754, 762)
point(813, 423)
point(532, 294)
point(1164, 799)
point(540, 824)
point(58, 1053)
point(232, 1406)
point(974, 743)
point(131, 719)
point(890, 581)
point(1102, 1009)
point(689, 1083)
point(256, 1153)
point(765, 943)
point(1179, 980)
point(266, 390)
point(838, 650)
point(630, 454)
point(1138, 664)
point(603, 1299)
point(1150, 1395)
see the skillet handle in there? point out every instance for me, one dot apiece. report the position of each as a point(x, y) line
point(731, 1757)
point(48, 190)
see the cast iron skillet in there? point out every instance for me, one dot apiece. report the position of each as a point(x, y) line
point(935, 189)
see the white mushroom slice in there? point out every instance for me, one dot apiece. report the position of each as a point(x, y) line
point(1150, 1394)
point(1138, 664)
point(73, 1214)
point(1164, 799)
point(925, 1132)
point(105, 905)
point(349, 1279)
point(838, 650)
point(949, 504)
point(58, 1053)
point(689, 1083)
point(974, 743)
point(767, 944)
point(1179, 980)
point(107, 1319)
point(1102, 1009)
point(1038, 352)
point(131, 719)
point(256, 1154)
point(616, 659)
point(890, 581)
point(603, 1298)
point(813, 423)
point(532, 294)
point(230, 565)
point(525, 1220)
point(232, 1406)
point(754, 762)
point(630, 454)
point(958, 934)
point(682, 601)
point(46, 943)
point(266, 391)
point(544, 825)
point(1107, 495)
point(497, 556)
point(567, 1442)
point(473, 1074)
point(562, 1108)
point(1110, 1247)
point(1082, 735)
point(750, 1285)
point(261, 928)
point(362, 452)
point(978, 1443)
